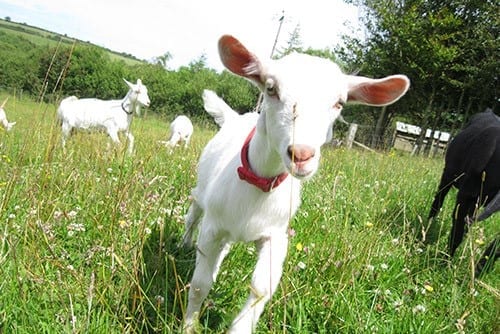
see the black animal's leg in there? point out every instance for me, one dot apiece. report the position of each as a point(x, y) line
point(447, 181)
point(487, 260)
point(464, 207)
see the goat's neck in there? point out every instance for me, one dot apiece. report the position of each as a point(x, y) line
point(130, 104)
point(264, 160)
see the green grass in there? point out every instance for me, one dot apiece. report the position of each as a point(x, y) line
point(88, 242)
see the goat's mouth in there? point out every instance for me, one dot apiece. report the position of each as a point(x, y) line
point(301, 169)
point(301, 161)
point(300, 172)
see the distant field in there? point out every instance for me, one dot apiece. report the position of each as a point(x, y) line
point(88, 242)
point(44, 37)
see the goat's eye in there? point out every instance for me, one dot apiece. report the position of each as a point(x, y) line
point(339, 105)
point(270, 86)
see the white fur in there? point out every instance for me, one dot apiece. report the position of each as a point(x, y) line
point(3, 118)
point(109, 115)
point(181, 130)
point(300, 104)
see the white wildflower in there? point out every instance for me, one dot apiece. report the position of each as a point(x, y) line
point(419, 309)
point(301, 265)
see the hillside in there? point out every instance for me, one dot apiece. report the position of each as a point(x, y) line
point(44, 37)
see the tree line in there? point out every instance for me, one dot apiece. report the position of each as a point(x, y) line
point(448, 48)
point(54, 72)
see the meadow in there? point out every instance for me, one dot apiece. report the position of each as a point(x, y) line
point(89, 241)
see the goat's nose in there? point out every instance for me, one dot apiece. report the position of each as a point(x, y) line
point(300, 153)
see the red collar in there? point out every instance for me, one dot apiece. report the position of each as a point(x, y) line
point(246, 174)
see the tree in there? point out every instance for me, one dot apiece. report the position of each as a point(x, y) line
point(293, 44)
point(447, 48)
point(163, 59)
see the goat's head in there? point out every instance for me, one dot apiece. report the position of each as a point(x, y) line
point(138, 94)
point(303, 95)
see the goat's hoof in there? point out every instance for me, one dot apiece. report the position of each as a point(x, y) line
point(192, 326)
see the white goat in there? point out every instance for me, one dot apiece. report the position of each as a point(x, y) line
point(303, 95)
point(112, 115)
point(181, 130)
point(3, 118)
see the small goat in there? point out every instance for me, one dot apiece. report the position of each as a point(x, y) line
point(112, 115)
point(181, 130)
point(3, 118)
point(244, 192)
point(472, 165)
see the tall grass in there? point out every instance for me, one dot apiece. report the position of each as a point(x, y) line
point(88, 242)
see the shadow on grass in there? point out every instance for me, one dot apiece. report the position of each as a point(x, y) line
point(158, 305)
point(426, 237)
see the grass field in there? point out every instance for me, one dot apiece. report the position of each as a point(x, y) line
point(88, 242)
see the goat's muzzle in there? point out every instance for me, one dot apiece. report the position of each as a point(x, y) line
point(300, 155)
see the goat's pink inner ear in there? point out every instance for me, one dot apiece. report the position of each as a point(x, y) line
point(236, 57)
point(379, 92)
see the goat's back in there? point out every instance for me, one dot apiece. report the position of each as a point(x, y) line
point(91, 112)
point(476, 149)
point(223, 150)
point(182, 125)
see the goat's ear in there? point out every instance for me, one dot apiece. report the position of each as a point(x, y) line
point(377, 92)
point(4, 102)
point(131, 85)
point(238, 59)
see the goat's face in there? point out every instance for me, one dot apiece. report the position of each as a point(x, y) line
point(139, 93)
point(303, 95)
point(299, 109)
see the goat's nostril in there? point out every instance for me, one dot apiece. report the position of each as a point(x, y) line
point(300, 153)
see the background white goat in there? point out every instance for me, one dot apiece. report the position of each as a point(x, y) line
point(303, 95)
point(3, 118)
point(181, 130)
point(111, 115)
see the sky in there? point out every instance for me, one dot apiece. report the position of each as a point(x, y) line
point(188, 29)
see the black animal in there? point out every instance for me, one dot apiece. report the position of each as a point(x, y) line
point(472, 165)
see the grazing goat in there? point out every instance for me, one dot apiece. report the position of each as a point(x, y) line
point(3, 118)
point(181, 130)
point(472, 165)
point(244, 191)
point(112, 115)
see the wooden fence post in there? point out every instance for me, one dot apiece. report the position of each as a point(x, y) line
point(351, 135)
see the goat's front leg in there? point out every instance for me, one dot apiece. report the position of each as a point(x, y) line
point(211, 250)
point(272, 252)
point(130, 139)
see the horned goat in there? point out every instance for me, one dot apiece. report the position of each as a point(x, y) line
point(244, 191)
point(113, 116)
point(472, 165)
point(3, 117)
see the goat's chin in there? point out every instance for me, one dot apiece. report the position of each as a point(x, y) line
point(302, 171)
